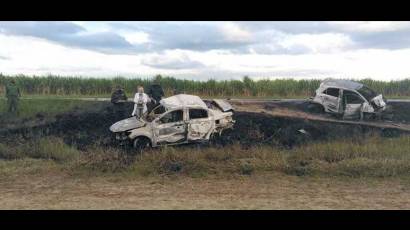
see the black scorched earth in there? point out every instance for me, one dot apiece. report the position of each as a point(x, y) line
point(277, 123)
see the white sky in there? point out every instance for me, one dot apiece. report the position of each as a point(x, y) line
point(203, 50)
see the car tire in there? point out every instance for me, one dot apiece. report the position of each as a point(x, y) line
point(141, 143)
point(222, 139)
point(315, 108)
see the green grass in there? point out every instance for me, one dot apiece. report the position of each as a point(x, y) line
point(37, 157)
point(108, 96)
point(63, 97)
point(45, 106)
point(50, 148)
point(374, 157)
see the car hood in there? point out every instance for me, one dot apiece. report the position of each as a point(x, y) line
point(127, 124)
point(378, 101)
point(223, 105)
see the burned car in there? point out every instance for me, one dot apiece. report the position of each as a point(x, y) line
point(177, 119)
point(349, 100)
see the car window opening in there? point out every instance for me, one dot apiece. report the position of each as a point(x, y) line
point(198, 113)
point(174, 116)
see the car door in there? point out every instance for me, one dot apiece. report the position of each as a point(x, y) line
point(200, 124)
point(352, 104)
point(170, 128)
point(331, 100)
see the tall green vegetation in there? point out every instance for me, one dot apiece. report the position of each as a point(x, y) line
point(283, 88)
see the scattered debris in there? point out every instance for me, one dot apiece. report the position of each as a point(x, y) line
point(303, 131)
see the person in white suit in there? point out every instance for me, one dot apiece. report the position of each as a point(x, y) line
point(141, 99)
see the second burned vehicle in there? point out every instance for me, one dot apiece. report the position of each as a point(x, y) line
point(178, 119)
point(349, 99)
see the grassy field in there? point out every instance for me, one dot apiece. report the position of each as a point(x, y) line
point(371, 174)
point(373, 157)
point(43, 105)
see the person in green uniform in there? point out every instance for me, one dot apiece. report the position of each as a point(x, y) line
point(13, 95)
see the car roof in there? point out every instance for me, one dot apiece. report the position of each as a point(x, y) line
point(183, 100)
point(338, 83)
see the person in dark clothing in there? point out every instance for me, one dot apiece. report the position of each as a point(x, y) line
point(118, 98)
point(156, 93)
point(176, 92)
point(13, 95)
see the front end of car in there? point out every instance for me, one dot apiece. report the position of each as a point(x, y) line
point(122, 129)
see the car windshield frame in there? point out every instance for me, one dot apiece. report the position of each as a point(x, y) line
point(151, 115)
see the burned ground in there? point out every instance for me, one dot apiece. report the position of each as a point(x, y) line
point(78, 127)
point(259, 128)
point(400, 109)
point(86, 127)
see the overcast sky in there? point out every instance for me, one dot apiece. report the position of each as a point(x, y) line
point(203, 50)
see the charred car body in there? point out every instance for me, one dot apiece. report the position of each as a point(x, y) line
point(349, 99)
point(178, 119)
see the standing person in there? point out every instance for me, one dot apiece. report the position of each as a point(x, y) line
point(156, 92)
point(141, 99)
point(13, 95)
point(118, 98)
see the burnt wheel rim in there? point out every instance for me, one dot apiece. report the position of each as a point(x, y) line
point(140, 144)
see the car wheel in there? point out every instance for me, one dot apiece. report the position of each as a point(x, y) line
point(221, 139)
point(141, 143)
point(315, 108)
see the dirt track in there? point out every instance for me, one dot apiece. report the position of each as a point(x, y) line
point(255, 192)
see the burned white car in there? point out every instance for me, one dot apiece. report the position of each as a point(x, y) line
point(178, 119)
point(348, 99)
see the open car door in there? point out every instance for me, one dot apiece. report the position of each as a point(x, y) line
point(331, 99)
point(352, 104)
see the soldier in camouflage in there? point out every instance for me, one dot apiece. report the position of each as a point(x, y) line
point(13, 95)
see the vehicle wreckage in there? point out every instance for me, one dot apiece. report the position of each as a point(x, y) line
point(349, 100)
point(178, 119)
